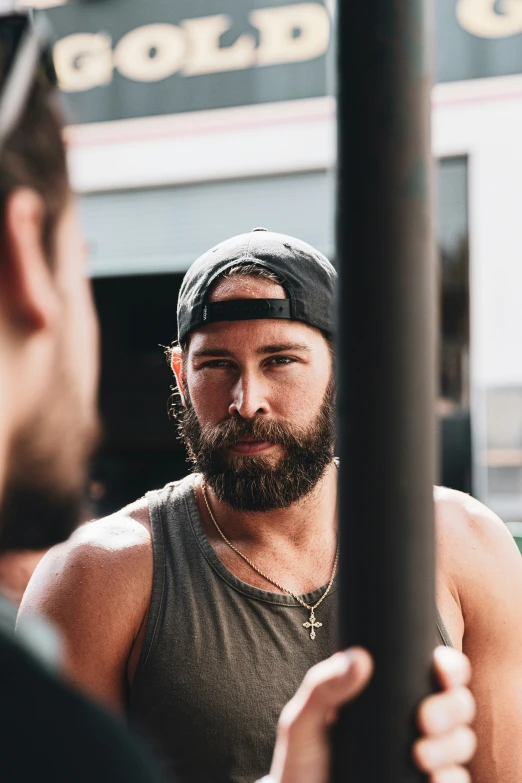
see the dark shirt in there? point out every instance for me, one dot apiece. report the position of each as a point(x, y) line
point(51, 734)
point(220, 657)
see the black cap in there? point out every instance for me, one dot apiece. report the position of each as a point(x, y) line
point(307, 276)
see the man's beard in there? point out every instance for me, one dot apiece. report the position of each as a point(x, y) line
point(257, 483)
point(45, 489)
point(37, 517)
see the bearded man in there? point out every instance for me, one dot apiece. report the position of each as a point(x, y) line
point(199, 609)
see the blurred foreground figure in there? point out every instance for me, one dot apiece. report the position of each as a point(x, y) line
point(48, 423)
point(16, 569)
point(199, 609)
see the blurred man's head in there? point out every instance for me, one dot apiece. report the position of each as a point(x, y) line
point(255, 369)
point(48, 336)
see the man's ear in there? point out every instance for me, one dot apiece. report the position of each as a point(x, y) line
point(27, 279)
point(176, 362)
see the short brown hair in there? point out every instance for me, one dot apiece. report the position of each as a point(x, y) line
point(34, 156)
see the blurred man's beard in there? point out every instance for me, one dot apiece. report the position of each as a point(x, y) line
point(44, 493)
point(258, 483)
point(49, 516)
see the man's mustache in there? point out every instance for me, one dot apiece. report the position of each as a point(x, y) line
point(227, 433)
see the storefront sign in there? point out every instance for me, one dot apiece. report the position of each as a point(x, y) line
point(490, 18)
point(478, 39)
point(154, 52)
point(120, 59)
point(128, 58)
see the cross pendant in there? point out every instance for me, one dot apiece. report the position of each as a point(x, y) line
point(312, 624)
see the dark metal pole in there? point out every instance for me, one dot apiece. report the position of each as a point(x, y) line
point(386, 376)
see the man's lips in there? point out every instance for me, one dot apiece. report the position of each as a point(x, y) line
point(251, 446)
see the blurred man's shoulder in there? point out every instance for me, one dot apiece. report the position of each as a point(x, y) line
point(50, 732)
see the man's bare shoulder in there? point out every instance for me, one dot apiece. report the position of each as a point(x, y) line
point(112, 555)
point(475, 549)
point(460, 517)
point(96, 588)
point(480, 565)
point(124, 531)
point(120, 539)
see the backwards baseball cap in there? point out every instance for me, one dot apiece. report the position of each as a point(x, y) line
point(306, 275)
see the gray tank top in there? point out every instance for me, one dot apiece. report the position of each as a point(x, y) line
point(220, 658)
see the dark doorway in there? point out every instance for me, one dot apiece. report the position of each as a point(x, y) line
point(140, 451)
point(454, 336)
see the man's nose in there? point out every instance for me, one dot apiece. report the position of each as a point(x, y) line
point(249, 398)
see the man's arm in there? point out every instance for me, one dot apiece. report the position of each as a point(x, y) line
point(482, 568)
point(96, 589)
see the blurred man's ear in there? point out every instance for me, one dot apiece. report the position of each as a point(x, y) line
point(28, 290)
point(176, 362)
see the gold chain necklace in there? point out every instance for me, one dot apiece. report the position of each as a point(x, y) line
point(312, 623)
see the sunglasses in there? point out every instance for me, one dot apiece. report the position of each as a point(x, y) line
point(25, 60)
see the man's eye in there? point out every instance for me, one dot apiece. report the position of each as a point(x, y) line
point(281, 360)
point(216, 363)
